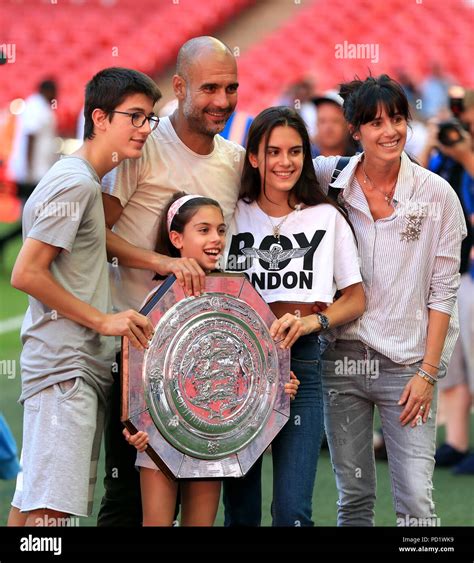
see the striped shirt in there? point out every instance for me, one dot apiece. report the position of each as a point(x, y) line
point(409, 261)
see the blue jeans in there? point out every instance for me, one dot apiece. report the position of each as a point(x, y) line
point(295, 453)
point(356, 378)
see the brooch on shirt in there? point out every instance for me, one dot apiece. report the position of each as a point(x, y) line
point(414, 217)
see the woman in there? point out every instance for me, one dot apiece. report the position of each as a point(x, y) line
point(409, 226)
point(296, 248)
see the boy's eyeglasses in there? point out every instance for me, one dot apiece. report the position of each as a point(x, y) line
point(139, 118)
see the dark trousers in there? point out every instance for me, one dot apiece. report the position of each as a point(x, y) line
point(121, 504)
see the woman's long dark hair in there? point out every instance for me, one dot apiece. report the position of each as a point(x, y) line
point(307, 189)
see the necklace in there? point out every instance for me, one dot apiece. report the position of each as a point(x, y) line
point(387, 196)
point(277, 228)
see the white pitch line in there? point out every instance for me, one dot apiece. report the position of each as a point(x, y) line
point(11, 324)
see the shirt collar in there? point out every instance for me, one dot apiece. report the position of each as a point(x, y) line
point(405, 180)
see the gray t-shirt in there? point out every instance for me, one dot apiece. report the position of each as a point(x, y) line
point(65, 210)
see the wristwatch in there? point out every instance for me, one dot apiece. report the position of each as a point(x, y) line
point(323, 321)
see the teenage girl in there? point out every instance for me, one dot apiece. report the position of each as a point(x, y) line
point(297, 248)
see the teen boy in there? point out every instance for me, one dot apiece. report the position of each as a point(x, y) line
point(66, 358)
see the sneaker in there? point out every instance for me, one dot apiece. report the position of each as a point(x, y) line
point(466, 467)
point(446, 456)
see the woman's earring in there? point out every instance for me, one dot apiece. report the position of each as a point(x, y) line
point(356, 137)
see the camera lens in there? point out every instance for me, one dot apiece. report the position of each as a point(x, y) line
point(450, 133)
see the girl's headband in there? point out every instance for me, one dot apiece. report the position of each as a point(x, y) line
point(176, 206)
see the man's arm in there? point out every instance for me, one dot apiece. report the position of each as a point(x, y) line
point(32, 275)
point(187, 271)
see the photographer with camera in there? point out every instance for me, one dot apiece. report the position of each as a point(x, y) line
point(451, 139)
point(449, 152)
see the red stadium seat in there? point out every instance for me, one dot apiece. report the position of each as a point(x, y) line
point(71, 40)
point(407, 34)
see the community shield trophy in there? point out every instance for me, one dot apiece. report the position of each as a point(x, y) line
point(209, 391)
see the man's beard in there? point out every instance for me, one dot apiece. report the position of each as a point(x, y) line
point(196, 121)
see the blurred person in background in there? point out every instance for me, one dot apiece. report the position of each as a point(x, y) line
point(434, 92)
point(332, 137)
point(299, 97)
point(9, 464)
point(34, 149)
point(449, 152)
point(237, 127)
point(412, 91)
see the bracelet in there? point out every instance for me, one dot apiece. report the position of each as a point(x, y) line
point(429, 380)
point(428, 364)
point(426, 376)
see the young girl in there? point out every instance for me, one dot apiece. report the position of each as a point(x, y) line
point(192, 227)
point(297, 248)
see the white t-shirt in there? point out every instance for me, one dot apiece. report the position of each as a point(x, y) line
point(144, 186)
point(37, 119)
point(315, 255)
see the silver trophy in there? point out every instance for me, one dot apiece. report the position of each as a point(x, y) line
point(210, 389)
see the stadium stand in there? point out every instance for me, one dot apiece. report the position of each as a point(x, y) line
point(71, 43)
point(409, 34)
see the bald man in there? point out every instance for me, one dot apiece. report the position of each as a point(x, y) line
point(187, 153)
